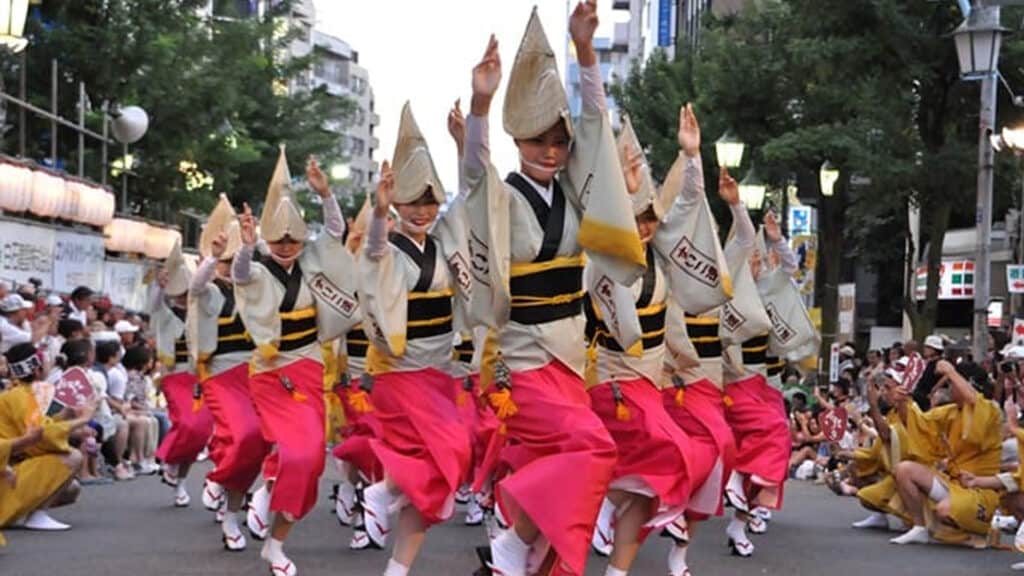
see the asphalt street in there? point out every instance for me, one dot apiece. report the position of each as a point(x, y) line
point(131, 529)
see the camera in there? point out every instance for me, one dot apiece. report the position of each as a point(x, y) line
point(1008, 367)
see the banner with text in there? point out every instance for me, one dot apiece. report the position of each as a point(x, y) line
point(78, 260)
point(26, 252)
point(123, 283)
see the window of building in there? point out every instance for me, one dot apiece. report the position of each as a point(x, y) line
point(357, 146)
point(235, 8)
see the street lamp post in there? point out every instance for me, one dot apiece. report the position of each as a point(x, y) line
point(729, 150)
point(13, 14)
point(828, 176)
point(752, 191)
point(978, 41)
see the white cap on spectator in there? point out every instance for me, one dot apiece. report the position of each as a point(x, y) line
point(13, 303)
point(847, 351)
point(934, 342)
point(898, 370)
point(54, 300)
point(105, 336)
point(124, 327)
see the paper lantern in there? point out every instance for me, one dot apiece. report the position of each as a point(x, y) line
point(15, 187)
point(124, 235)
point(47, 193)
point(72, 199)
point(160, 241)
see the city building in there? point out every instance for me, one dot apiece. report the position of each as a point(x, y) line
point(338, 70)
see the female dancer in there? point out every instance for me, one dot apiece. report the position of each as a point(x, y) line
point(221, 348)
point(297, 293)
point(528, 234)
point(409, 289)
point(191, 422)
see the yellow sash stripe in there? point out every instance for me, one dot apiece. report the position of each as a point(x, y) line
point(517, 269)
point(446, 293)
point(298, 335)
point(300, 314)
point(430, 322)
point(530, 301)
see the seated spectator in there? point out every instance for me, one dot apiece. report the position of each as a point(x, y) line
point(127, 332)
point(113, 428)
point(806, 437)
point(135, 363)
point(46, 470)
point(108, 362)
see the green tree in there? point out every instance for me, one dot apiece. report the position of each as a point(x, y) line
point(216, 91)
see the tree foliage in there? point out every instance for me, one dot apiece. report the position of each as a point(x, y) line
point(870, 85)
point(215, 91)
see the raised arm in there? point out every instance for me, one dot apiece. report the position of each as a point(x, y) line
point(377, 235)
point(582, 25)
point(881, 424)
point(241, 269)
point(778, 243)
point(457, 130)
point(334, 222)
point(956, 381)
point(203, 276)
point(486, 79)
point(729, 191)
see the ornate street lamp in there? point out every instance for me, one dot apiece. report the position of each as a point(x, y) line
point(978, 41)
point(828, 176)
point(752, 191)
point(13, 14)
point(729, 150)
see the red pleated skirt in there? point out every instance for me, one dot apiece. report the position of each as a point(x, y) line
point(360, 428)
point(763, 442)
point(423, 446)
point(294, 423)
point(190, 429)
point(700, 412)
point(560, 460)
point(237, 446)
point(653, 449)
point(478, 418)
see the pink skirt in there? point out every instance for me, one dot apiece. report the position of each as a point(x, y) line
point(762, 438)
point(237, 447)
point(190, 429)
point(423, 446)
point(652, 448)
point(478, 418)
point(360, 428)
point(294, 423)
point(701, 415)
point(560, 457)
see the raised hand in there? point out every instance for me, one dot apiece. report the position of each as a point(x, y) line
point(385, 190)
point(689, 131)
point(771, 227)
point(457, 125)
point(728, 189)
point(247, 225)
point(1012, 414)
point(633, 169)
point(582, 25)
point(219, 245)
point(486, 79)
point(316, 178)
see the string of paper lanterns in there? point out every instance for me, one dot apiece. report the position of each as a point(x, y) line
point(128, 235)
point(25, 187)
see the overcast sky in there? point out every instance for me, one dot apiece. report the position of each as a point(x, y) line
point(424, 51)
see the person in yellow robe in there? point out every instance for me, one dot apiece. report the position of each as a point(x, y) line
point(968, 433)
point(41, 460)
point(893, 445)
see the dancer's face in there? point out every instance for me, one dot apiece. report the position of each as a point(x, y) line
point(543, 156)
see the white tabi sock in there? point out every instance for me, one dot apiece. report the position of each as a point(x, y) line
point(677, 560)
point(509, 553)
point(395, 568)
point(613, 571)
point(916, 535)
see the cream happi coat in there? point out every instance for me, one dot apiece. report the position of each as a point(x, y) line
point(327, 274)
point(387, 274)
point(205, 298)
point(505, 230)
point(167, 326)
point(616, 303)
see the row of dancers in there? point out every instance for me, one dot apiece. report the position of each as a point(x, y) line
point(566, 347)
